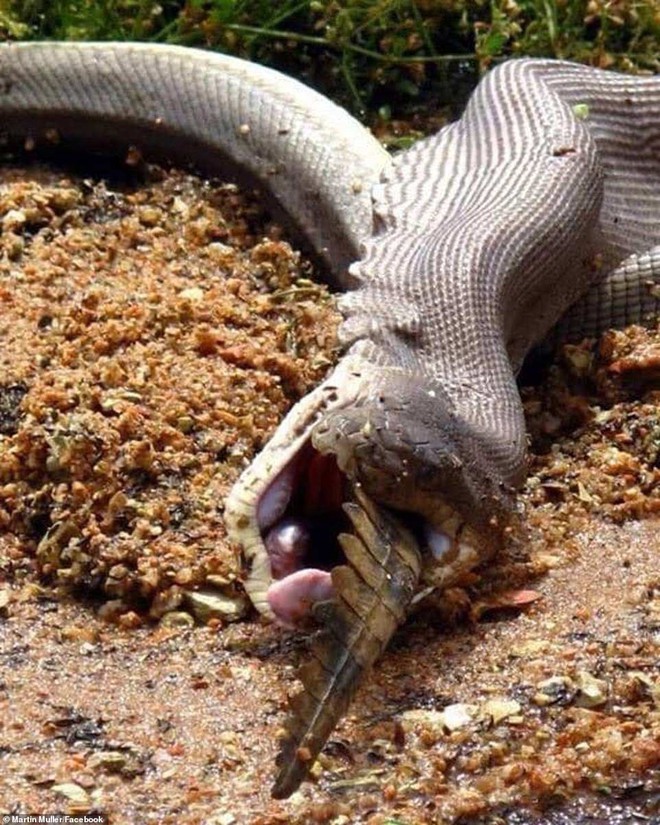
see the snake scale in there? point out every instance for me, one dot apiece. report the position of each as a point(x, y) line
point(539, 205)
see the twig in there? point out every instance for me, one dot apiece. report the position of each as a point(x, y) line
point(296, 37)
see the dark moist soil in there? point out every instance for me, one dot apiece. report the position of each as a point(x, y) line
point(155, 328)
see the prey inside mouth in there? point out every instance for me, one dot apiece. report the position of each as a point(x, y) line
point(300, 518)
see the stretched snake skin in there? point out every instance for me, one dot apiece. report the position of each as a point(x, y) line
point(467, 249)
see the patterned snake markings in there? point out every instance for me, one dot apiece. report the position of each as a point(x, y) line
point(538, 206)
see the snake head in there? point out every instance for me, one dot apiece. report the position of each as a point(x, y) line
point(399, 438)
point(409, 449)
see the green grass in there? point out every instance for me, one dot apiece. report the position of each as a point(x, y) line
point(372, 55)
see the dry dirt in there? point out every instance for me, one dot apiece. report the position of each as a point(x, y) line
point(154, 331)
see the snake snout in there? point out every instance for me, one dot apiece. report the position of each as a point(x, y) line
point(409, 451)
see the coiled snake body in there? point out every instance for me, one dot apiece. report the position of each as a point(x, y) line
point(469, 247)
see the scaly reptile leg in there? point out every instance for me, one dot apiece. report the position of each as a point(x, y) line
point(373, 592)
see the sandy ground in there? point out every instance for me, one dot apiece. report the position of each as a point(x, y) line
point(116, 315)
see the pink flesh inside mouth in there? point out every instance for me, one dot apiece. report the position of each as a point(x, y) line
point(291, 599)
point(300, 517)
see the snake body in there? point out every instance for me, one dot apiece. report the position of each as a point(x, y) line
point(468, 248)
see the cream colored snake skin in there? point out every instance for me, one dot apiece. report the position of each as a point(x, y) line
point(466, 250)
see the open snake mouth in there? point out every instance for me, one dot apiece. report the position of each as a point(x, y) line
point(300, 518)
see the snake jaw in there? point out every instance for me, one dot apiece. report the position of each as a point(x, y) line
point(253, 505)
